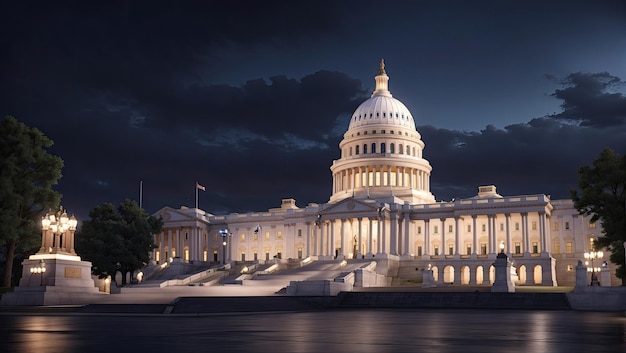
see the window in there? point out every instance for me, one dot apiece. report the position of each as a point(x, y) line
point(299, 232)
point(533, 225)
point(364, 149)
point(436, 251)
point(419, 250)
point(400, 150)
point(450, 229)
point(279, 234)
point(591, 241)
point(566, 225)
point(516, 225)
point(383, 148)
point(392, 148)
point(535, 248)
point(419, 230)
point(255, 236)
point(242, 236)
point(592, 225)
point(408, 150)
point(556, 247)
point(570, 267)
point(373, 148)
point(469, 228)
point(436, 229)
point(469, 250)
point(569, 249)
point(483, 249)
point(555, 226)
point(518, 248)
point(267, 235)
point(484, 227)
point(502, 227)
point(451, 250)
point(356, 150)
point(215, 237)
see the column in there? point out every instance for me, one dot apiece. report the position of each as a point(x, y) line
point(370, 247)
point(383, 235)
point(490, 233)
point(542, 232)
point(457, 241)
point(322, 226)
point(388, 175)
point(443, 238)
point(393, 234)
point(162, 258)
point(342, 238)
point(427, 237)
point(525, 233)
point(407, 234)
point(169, 243)
point(308, 239)
point(332, 239)
point(379, 235)
point(508, 233)
point(474, 237)
point(359, 247)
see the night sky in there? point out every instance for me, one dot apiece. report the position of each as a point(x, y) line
point(251, 99)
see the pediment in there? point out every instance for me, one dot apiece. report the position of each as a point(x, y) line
point(351, 206)
point(170, 215)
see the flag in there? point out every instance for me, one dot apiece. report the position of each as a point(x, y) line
point(257, 229)
point(200, 187)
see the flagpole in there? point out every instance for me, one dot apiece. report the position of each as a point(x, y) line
point(141, 194)
point(196, 194)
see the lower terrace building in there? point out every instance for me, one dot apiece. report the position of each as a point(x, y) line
point(381, 208)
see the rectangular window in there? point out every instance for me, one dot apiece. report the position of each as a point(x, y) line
point(436, 250)
point(255, 236)
point(569, 249)
point(451, 250)
point(242, 236)
point(516, 225)
point(591, 241)
point(469, 228)
point(279, 234)
point(469, 250)
point(215, 237)
point(566, 225)
point(555, 226)
point(483, 249)
point(436, 229)
point(533, 225)
point(502, 227)
point(419, 230)
point(450, 229)
point(556, 247)
point(518, 248)
point(535, 248)
point(484, 227)
point(592, 225)
point(267, 235)
point(419, 250)
point(299, 232)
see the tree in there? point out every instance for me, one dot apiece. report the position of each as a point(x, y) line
point(27, 173)
point(603, 196)
point(117, 239)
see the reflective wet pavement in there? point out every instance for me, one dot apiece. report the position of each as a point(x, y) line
point(366, 330)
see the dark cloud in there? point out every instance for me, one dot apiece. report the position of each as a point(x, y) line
point(588, 101)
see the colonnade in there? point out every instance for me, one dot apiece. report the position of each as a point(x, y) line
point(381, 175)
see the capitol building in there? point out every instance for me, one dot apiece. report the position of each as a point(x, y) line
point(381, 209)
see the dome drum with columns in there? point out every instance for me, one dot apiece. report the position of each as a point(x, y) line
point(381, 210)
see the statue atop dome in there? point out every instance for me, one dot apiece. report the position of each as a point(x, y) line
point(381, 69)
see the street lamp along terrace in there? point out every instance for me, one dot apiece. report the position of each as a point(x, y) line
point(224, 234)
point(594, 255)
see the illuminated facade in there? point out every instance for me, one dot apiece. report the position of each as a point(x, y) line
point(381, 208)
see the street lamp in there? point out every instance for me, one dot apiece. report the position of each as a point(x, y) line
point(224, 234)
point(593, 255)
point(39, 270)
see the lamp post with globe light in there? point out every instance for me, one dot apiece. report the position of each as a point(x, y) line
point(39, 270)
point(593, 255)
point(224, 234)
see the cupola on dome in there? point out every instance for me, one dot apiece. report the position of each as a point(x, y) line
point(381, 108)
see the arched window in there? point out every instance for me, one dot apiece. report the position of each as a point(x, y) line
point(373, 148)
point(364, 149)
point(357, 150)
point(408, 150)
point(400, 150)
point(382, 148)
point(392, 148)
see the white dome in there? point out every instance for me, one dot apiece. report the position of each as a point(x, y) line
point(382, 108)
